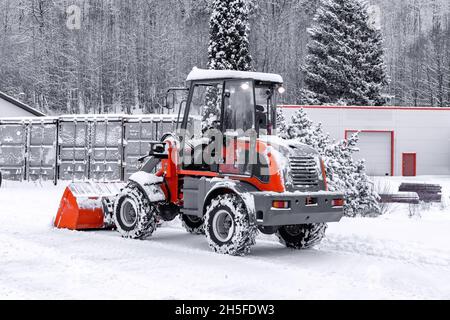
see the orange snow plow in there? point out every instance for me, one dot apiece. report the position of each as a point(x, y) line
point(87, 205)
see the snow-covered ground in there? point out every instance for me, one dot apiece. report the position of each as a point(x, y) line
point(393, 256)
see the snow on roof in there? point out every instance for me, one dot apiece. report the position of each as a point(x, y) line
point(111, 117)
point(93, 117)
point(202, 74)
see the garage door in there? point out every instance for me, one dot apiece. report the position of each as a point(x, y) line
point(376, 149)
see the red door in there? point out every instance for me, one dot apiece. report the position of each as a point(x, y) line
point(409, 164)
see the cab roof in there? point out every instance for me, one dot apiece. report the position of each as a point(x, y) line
point(202, 74)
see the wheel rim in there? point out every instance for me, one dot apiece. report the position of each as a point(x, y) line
point(293, 231)
point(223, 226)
point(128, 213)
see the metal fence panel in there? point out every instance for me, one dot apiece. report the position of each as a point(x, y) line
point(13, 139)
point(137, 137)
point(42, 151)
point(106, 151)
point(166, 126)
point(103, 148)
point(73, 150)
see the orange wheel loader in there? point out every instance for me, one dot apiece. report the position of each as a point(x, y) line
point(224, 172)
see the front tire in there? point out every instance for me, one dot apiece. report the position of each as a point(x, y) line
point(134, 216)
point(229, 228)
point(303, 236)
point(193, 224)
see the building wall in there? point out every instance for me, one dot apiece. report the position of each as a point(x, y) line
point(8, 109)
point(425, 131)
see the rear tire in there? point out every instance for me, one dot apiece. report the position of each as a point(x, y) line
point(134, 216)
point(229, 228)
point(193, 224)
point(303, 236)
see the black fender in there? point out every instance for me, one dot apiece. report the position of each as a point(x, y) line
point(224, 186)
point(150, 185)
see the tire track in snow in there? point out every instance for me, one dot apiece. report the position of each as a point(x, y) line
point(33, 266)
point(410, 252)
point(100, 258)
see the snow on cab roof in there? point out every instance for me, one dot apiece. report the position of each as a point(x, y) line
point(202, 74)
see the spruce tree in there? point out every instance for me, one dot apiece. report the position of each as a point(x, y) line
point(321, 140)
point(229, 28)
point(368, 198)
point(301, 127)
point(281, 124)
point(344, 64)
point(228, 46)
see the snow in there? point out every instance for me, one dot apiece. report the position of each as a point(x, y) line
point(89, 204)
point(151, 185)
point(144, 178)
point(202, 74)
point(389, 257)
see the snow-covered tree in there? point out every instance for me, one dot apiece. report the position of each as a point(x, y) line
point(345, 56)
point(368, 199)
point(228, 45)
point(343, 172)
point(281, 124)
point(305, 131)
point(229, 28)
point(301, 127)
point(320, 139)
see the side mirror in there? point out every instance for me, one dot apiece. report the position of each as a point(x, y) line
point(169, 102)
point(173, 96)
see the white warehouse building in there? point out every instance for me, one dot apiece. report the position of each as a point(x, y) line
point(398, 141)
point(10, 107)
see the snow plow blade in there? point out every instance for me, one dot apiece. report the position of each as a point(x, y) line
point(87, 205)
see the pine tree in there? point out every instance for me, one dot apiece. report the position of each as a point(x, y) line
point(229, 28)
point(345, 56)
point(368, 198)
point(228, 46)
point(281, 124)
point(304, 131)
point(301, 127)
point(321, 139)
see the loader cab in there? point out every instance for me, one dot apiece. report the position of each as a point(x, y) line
point(226, 106)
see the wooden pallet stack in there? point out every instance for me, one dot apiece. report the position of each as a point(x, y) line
point(427, 192)
point(400, 197)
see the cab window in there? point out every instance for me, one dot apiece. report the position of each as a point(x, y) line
point(239, 106)
point(205, 109)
